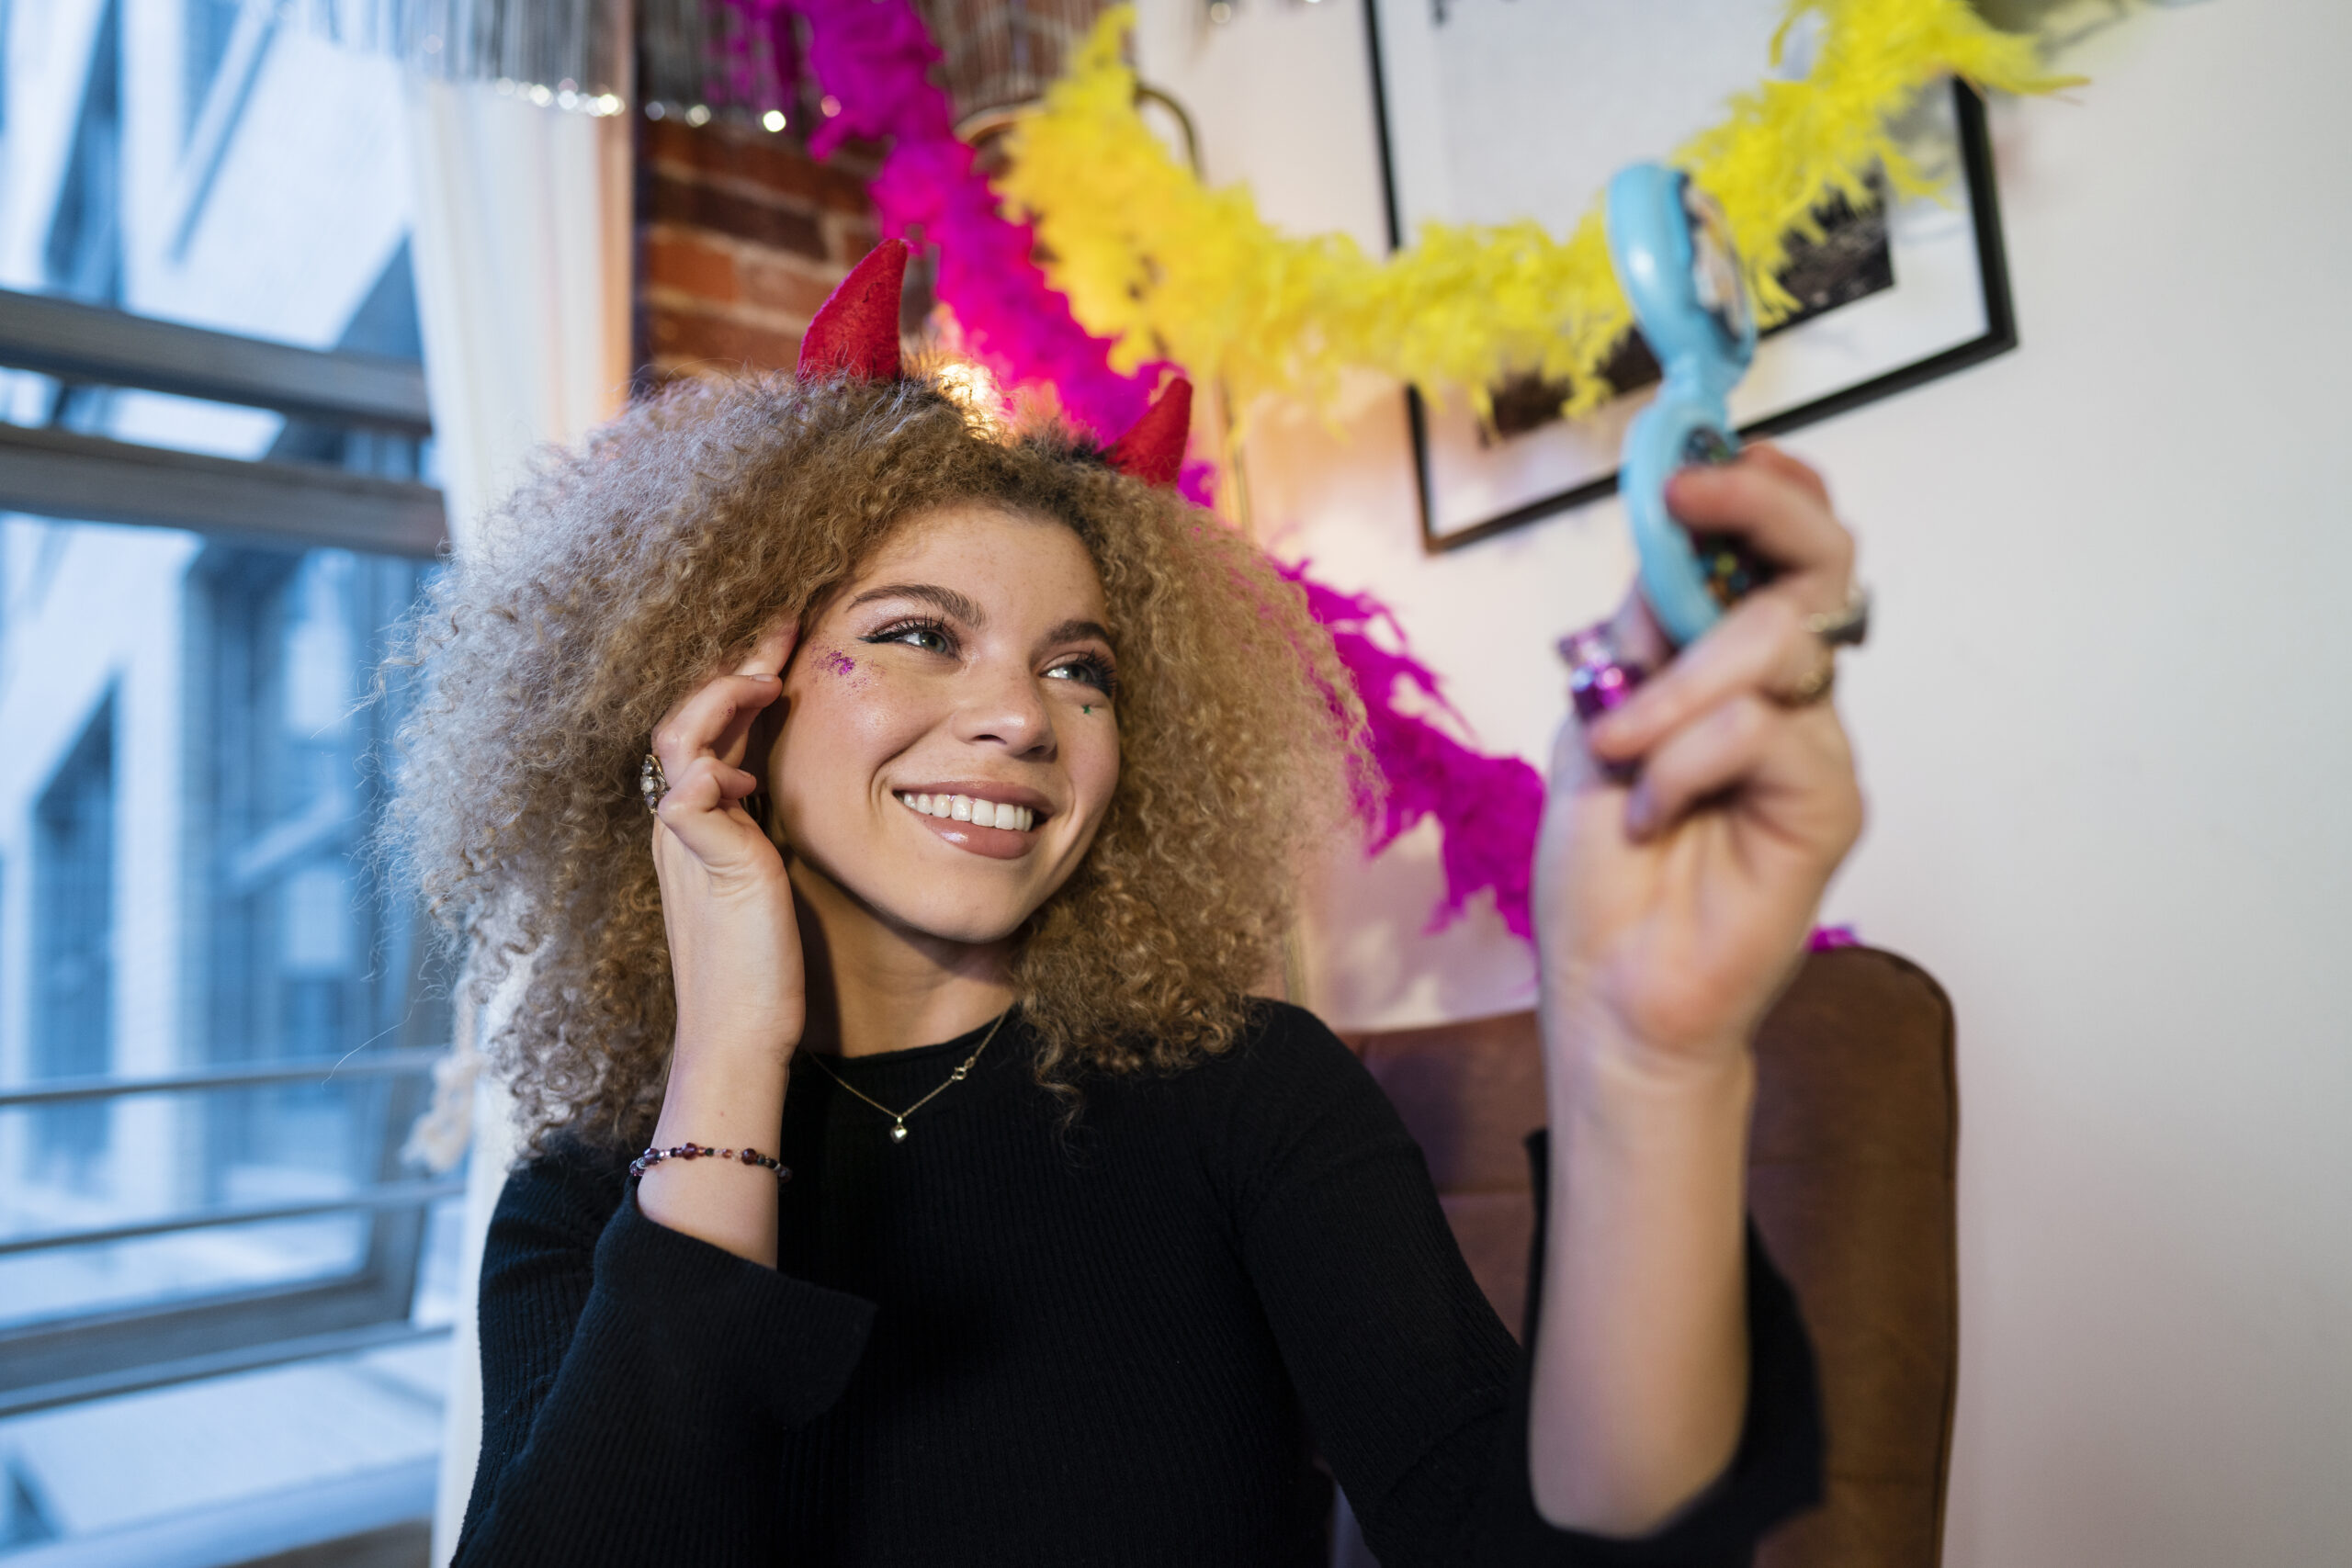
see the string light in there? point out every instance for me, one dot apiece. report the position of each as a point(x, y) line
point(567, 97)
point(974, 389)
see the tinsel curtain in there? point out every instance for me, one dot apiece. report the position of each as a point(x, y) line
point(578, 53)
point(742, 57)
point(734, 60)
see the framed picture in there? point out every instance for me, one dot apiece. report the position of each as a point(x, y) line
point(1496, 109)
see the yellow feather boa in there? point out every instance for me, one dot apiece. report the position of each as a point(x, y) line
point(1172, 269)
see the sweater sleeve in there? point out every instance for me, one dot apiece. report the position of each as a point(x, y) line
point(1416, 1394)
point(637, 1384)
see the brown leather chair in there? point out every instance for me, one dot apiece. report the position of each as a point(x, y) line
point(1850, 1179)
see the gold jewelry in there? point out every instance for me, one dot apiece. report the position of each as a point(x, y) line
point(1846, 625)
point(1817, 684)
point(898, 1118)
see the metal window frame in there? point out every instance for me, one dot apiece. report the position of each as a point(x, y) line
point(97, 1353)
point(76, 477)
point(62, 474)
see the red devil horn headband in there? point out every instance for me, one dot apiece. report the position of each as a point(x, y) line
point(856, 333)
point(857, 330)
point(1153, 447)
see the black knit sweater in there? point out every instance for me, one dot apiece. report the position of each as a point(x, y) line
point(1006, 1341)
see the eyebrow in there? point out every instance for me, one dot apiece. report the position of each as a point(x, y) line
point(1079, 631)
point(946, 599)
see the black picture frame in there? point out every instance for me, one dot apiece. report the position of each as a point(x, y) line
point(2000, 334)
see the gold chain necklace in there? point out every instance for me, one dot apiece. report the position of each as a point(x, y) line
point(898, 1118)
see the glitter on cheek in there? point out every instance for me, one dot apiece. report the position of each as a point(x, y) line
point(840, 663)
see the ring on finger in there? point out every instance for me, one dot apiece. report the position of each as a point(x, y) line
point(1846, 625)
point(652, 783)
point(1818, 683)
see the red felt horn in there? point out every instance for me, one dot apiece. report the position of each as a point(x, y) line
point(1153, 448)
point(856, 329)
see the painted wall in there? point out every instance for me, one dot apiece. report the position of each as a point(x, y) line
point(2105, 728)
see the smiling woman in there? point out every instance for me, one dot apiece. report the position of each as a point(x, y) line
point(965, 601)
point(981, 768)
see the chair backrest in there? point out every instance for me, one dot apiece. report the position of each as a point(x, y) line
point(1850, 1180)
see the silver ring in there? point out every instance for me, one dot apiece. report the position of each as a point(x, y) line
point(652, 783)
point(1846, 625)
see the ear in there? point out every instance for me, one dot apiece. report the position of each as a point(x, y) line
point(1153, 448)
point(856, 330)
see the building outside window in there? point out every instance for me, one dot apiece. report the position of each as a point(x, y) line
point(236, 1344)
point(72, 951)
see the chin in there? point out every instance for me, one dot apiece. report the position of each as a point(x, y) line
point(977, 906)
point(976, 916)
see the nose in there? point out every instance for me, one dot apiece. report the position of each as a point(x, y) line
point(1003, 707)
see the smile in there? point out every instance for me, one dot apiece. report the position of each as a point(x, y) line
point(968, 808)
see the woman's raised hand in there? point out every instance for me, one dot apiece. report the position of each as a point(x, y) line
point(734, 948)
point(1671, 909)
point(1686, 838)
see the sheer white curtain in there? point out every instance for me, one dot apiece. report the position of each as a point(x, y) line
point(522, 257)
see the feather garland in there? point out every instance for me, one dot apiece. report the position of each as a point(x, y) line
point(1150, 256)
point(1487, 808)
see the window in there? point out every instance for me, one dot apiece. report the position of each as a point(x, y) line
point(305, 957)
point(294, 960)
point(84, 256)
point(184, 899)
point(72, 958)
point(211, 26)
point(216, 1021)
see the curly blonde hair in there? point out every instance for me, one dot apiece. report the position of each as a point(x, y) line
point(617, 578)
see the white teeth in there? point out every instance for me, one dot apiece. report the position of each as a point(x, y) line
point(979, 813)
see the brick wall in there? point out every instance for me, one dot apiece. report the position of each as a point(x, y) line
point(741, 236)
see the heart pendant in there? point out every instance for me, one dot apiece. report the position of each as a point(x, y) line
point(899, 1133)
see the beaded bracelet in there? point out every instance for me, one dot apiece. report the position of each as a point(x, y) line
point(653, 1157)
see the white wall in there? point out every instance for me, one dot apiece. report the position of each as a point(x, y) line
point(2104, 724)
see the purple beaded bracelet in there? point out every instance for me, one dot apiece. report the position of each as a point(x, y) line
point(653, 1157)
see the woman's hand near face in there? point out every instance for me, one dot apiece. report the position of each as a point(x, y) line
point(734, 953)
point(735, 960)
point(1670, 911)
